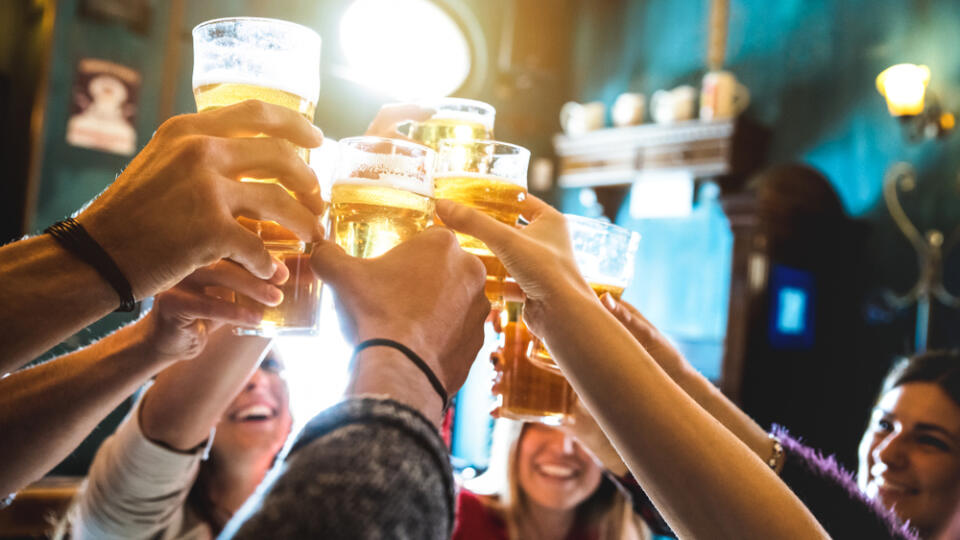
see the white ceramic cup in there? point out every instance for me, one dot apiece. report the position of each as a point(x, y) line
point(577, 118)
point(722, 96)
point(677, 105)
point(628, 109)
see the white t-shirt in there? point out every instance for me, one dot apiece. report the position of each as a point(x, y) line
point(137, 489)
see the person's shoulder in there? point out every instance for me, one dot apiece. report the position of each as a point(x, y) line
point(477, 518)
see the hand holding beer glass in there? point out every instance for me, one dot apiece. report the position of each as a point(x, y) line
point(491, 177)
point(605, 255)
point(382, 194)
point(276, 62)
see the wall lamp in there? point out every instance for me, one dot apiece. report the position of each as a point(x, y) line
point(905, 88)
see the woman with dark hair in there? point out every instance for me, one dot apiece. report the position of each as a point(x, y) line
point(193, 448)
point(910, 451)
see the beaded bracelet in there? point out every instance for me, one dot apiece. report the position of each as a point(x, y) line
point(776, 459)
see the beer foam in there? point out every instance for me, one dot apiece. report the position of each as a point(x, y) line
point(452, 108)
point(396, 181)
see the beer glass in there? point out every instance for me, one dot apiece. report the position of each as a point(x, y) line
point(491, 177)
point(455, 118)
point(526, 391)
point(605, 255)
point(277, 62)
point(382, 194)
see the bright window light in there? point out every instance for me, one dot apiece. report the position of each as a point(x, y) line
point(406, 49)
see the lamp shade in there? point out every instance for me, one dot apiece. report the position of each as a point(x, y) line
point(903, 86)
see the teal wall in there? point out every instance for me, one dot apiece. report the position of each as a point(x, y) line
point(810, 66)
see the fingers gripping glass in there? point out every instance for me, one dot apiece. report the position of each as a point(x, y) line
point(491, 177)
point(277, 62)
point(605, 255)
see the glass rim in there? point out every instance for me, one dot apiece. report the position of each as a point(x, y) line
point(484, 142)
point(400, 143)
point(601, 223)
point(480, 105)
point(306, 30)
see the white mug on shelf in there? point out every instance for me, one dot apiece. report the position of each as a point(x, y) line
point(722, 96)
point(578, 118)
point(677, 105)
point(628, 109)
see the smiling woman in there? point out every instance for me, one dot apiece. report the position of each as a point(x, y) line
point(542, 483)
point(407, 49)
point(910, 452)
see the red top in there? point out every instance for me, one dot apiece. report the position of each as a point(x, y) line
point(475, 521)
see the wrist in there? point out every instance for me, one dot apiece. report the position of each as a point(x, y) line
point(385, 371)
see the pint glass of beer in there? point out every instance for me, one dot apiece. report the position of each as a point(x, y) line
point(457, 119)
point(277, 62)
point(526, 391)
point(382, 194)
point(605, 255)
point(491, 177)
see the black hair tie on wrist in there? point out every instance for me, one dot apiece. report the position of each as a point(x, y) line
point(70, 234)
point(417, 361)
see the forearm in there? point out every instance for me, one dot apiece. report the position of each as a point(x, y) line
point(47, 295)
point(366, 468)
point(385, 372)
point(704, 479)
point(47, 410)
point(188, 398)
point(708, 396)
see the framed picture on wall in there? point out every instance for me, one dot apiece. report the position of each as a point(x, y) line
point(103, 107)
point(133, 13)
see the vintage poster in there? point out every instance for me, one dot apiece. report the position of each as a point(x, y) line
point(103, 108)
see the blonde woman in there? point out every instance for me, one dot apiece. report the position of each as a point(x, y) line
point(543, 483)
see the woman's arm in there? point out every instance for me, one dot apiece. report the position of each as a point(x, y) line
point(47, 410)
point(707, 483)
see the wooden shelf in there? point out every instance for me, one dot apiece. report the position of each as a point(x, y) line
point(621, 156)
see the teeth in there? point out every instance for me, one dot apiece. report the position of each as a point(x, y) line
point(255, 411)
point(559, 471)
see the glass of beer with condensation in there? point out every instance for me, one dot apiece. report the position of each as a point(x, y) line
point(455, 118)
point(277, 62)
point(525, 391)
point(382, 194)
point(605, 254)
point(489, 176)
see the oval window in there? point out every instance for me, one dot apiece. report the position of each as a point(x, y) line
point(407, 49)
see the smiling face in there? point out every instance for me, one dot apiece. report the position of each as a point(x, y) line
point(553, 470)
point(257, 422)
point(910, 455)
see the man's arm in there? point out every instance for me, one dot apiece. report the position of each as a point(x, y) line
point(172, 210)
point(47, 294)
point(374, 466)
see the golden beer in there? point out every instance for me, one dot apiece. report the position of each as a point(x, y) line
point(434, 130)
point(230, 56)
point(526, 391)
point(494, 196)
point(369, 219)
point(216, 95)
point(539, 353)
point(301, 293)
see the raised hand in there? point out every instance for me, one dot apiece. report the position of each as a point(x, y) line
point(175, 206)
point(183, 317)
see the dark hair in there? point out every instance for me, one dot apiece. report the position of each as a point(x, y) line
point(940, 367)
